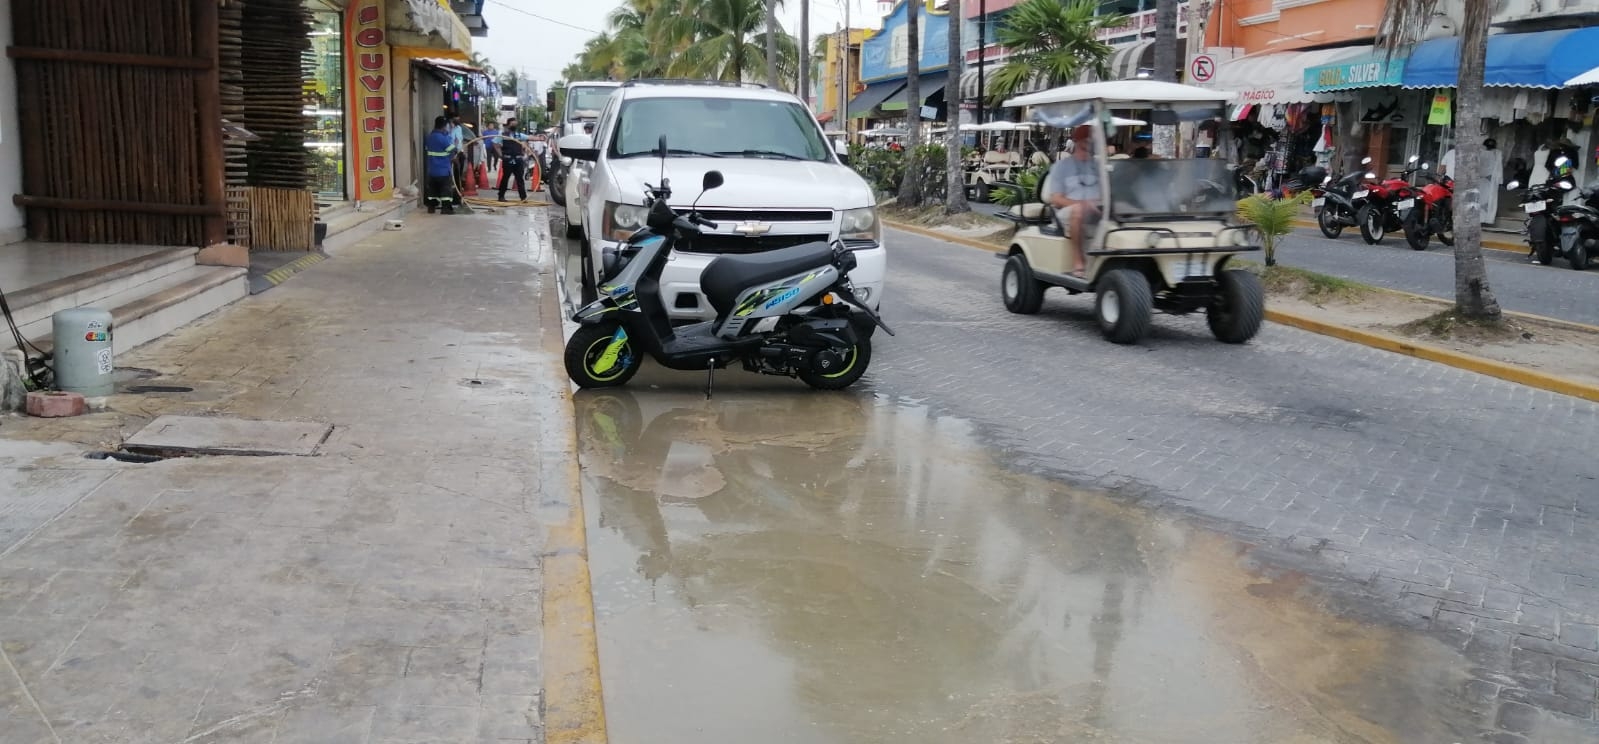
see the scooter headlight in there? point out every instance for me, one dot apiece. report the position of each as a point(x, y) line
point(861, 224)
point(622, 220)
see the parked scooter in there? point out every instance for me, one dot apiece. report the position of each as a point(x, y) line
point(1541, 204)
point(789, 311)
point(1377, 217)
point(1579, 228)
point(1430, 212)
point(1334, 201)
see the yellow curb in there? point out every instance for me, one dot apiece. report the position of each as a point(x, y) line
point(282, 273)
point(1492, 245)
point(1489, 367)
point(1571, 324)
point(574, 702)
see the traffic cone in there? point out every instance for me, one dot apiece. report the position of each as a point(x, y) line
point(469, 181)
point(483, 176)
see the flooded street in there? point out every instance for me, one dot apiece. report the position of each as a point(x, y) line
point(779, 565)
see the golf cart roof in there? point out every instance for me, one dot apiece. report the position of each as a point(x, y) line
point(1125, 93)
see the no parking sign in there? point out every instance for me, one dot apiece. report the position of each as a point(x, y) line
point(1202, 69)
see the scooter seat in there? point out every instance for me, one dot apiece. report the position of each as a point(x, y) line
point(727, 276)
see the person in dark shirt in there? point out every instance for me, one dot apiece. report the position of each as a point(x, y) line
point(513, 156)
point(441, 151)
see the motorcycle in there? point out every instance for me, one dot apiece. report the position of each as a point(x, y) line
point(1579, 228)
point(1434, 215)
point(1334, 201)
point(1541, 204)
point(789, 311)
point(1377, 217)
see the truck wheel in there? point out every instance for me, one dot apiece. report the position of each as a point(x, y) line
point(591, 365)
point(1023, 294)
point(1239, 307)
point(855, 363)
point(1327, 220)
point(1371, 224)
point(1124, 304)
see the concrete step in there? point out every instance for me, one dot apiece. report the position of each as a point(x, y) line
point(91, 288)
point(147, 312)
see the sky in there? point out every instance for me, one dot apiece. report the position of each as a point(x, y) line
point(540, 37)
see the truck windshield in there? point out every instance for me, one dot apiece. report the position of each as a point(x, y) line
point(1144, 188)
point(719, 127)
point(586, 102)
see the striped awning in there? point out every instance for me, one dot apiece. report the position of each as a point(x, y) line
point(1125, 63)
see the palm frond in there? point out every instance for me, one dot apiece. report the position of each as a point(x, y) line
point(1404, 21)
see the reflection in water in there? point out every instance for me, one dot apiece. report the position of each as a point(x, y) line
point(789, 566)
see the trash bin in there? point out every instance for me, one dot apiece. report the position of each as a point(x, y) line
point(82, 356)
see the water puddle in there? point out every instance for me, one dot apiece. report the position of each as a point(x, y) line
point(776, 565)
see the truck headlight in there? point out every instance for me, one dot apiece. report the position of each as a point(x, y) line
point(622, 220)
point(861, 224)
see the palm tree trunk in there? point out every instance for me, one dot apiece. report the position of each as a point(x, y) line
point(771, 43)
point(805, 52)
point(954, 177)
point(910, 187)
point(1165, 139)
point(1473, 298)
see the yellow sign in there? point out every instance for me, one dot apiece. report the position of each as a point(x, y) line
point(367, 59)
point(1441, 113)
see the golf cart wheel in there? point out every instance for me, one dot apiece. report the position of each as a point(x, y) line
point(1123, 304)
point(1416, 233)
point(586, 355)
point(1023, 294)
point(1329, 224)
point(1579, 256)
point(980, 192)
point(855, 363)
point(1371, 224)
point(1239, 308)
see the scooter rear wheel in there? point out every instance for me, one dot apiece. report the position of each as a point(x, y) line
point(1327, 220)
point(589, 363)
point(847, 374)
point(1372, 226)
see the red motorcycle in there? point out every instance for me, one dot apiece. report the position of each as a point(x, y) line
point(1435, 215)
point(1378, 216)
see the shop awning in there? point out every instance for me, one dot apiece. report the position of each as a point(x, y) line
point(427, 28)
point(874, 94)
point(1039, 81)
point(930, 84)
point(1541, 59)
point(1374, 69)
point(1279, 77)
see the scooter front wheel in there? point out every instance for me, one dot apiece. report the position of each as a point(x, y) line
point(601, 356)
point(843, 374)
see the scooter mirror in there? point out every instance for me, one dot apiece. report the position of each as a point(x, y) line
point(1413, 158)
point(713, 179)
point(1366, 160)
point(1370, 175)
point(1513, 185)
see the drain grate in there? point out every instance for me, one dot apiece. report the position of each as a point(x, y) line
point(123, 457)
point(184, 436)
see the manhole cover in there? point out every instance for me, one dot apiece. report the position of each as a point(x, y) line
point(196, 435)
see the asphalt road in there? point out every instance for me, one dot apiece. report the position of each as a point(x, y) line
point(1555, 291)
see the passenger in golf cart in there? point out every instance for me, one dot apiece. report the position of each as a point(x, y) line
point(1072, 189)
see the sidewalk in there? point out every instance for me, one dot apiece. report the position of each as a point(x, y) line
point(387, 589)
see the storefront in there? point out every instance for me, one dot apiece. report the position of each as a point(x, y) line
point(325, 100)
point(1380, 117)
point(885, 60)
point(1527, 109)
point(1276, 126)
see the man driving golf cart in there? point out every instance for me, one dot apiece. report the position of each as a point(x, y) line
point(1072, 188)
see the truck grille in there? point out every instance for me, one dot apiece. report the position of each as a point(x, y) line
point(767, 215)
point(711, 243)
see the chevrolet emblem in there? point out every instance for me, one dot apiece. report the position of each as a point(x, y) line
point(752, 229)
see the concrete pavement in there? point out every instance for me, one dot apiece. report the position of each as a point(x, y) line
point(1428, 496)
point(388, 589)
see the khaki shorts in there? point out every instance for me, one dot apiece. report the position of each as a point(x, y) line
point(1063, 220)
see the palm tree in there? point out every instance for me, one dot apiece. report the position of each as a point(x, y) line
point(804, 47)
point(954, 178)
point(1055, 38)
point(910, 186)
point(771, 43)
point(1165, 69)
point(729, 43)
point(1403, 22)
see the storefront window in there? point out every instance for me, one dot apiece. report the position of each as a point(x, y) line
point(324, 88)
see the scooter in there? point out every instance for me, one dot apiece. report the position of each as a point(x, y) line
point(1378, 216)
point(1335, 204)
point(789, 311)
point(1434, 215)
point(1579, 228)
point(1541, 204)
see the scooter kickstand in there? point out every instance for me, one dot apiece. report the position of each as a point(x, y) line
point(710, 377)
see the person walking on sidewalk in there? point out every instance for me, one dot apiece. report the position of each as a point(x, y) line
point(513, 156)
point(491, 137)
point(441, 152)
point(459, 137)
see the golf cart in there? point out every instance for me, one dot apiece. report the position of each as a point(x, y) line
point(1167, 228)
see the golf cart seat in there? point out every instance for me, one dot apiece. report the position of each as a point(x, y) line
point(1035, 212)
point(726, 276)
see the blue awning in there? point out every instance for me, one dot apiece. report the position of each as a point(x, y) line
point(1542, 59)
point(874, 94)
